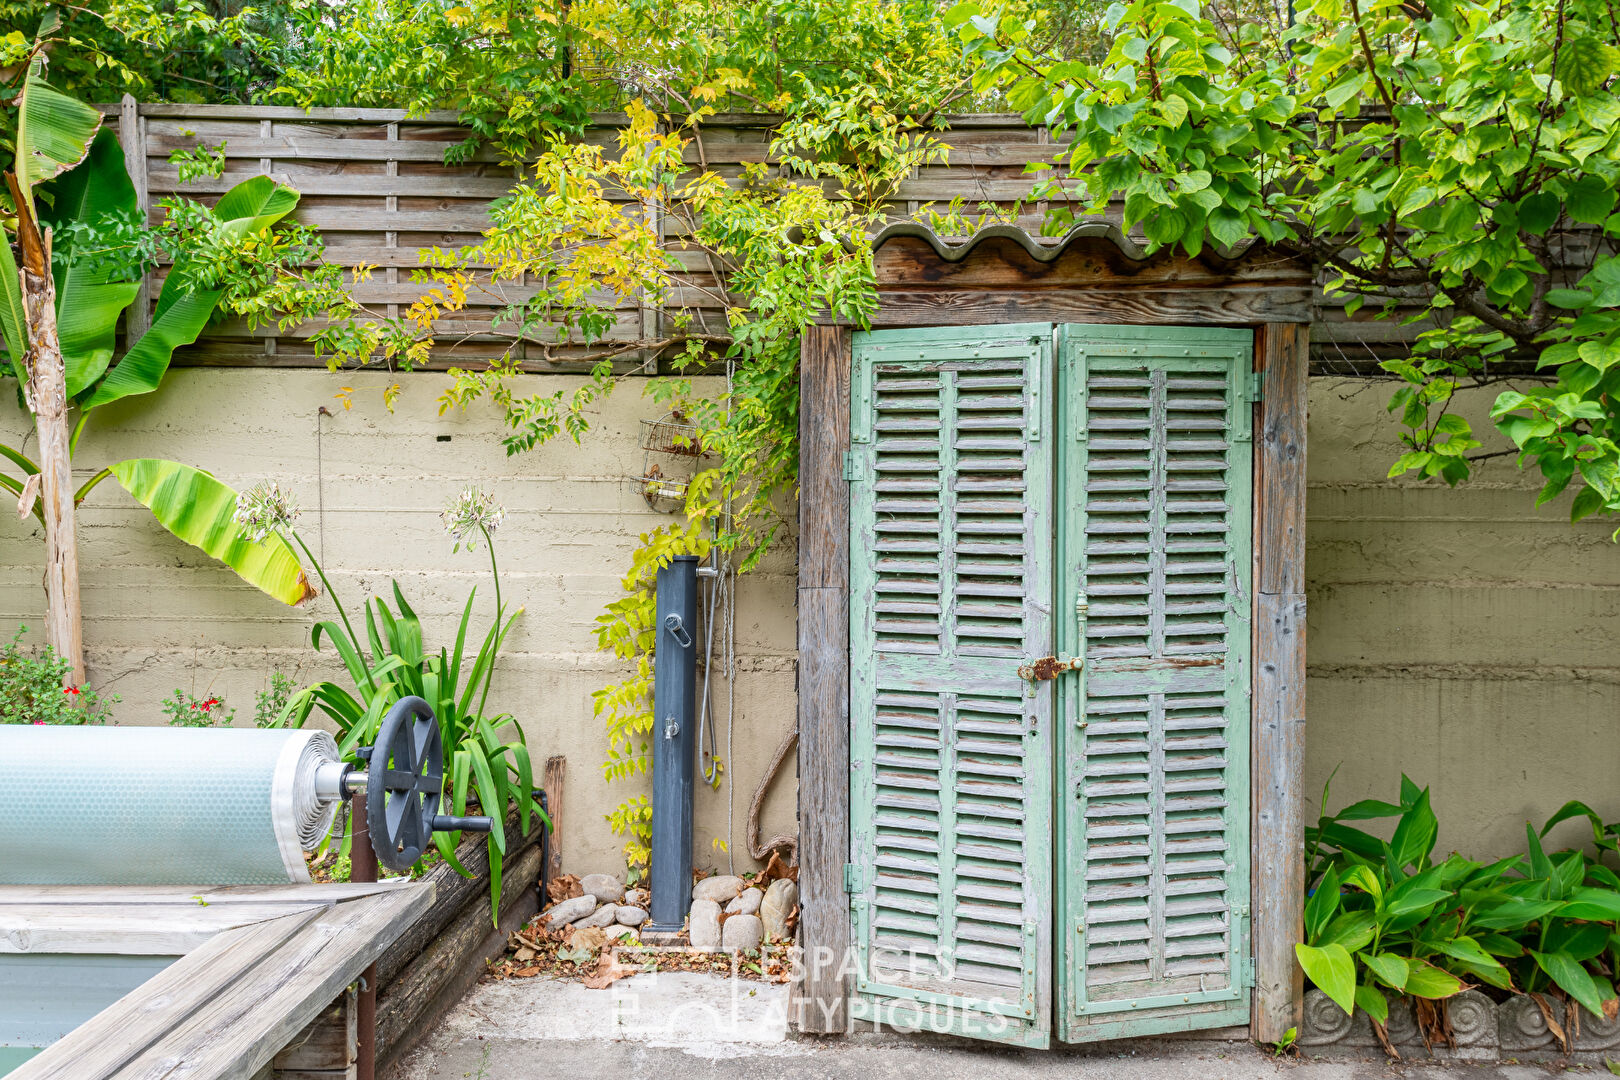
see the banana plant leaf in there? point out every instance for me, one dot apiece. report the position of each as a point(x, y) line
point(13, 325)
point(88, 302)
point(53, 134)
point(200, 510)
point(142, 369)
point(182, 312)
point(255, 204)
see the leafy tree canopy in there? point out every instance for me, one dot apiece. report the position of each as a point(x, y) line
point(1448, 161)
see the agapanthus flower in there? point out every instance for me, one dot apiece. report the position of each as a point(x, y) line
point(265, 510)
point(470, 513)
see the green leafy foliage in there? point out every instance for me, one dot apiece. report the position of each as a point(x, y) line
point(34, 689)
point(1386, 916)
point(1452, 166)
point(393, 662)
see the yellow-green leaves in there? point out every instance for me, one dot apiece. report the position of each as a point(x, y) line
point(1333, 972)
point(200, 510)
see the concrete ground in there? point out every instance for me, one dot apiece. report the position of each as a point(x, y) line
point(701, 1027)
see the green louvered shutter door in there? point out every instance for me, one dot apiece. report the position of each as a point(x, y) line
point(950, 799)
point(1155, 563)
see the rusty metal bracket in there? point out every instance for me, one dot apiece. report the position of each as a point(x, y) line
point(1048, 667)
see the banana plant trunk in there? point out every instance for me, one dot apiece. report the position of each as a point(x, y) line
point(46, 393)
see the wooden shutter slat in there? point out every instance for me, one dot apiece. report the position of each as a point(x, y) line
point(950, 796)
point(1155, 730)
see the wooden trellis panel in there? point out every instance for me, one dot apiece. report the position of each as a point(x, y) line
point(375, 182)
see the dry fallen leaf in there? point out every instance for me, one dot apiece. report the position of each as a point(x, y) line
point(586, 937)
point(526, 972)
point(775, 868)
point(608, 971)
point(563, 887)
point(525, 953)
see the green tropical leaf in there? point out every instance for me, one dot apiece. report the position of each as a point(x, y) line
point(13, 325)
point(1372, 1001)
point(88, 304)
point(254, 205)
point(1571, 978)
point(201, 511)
point(53, 134)
point(143, 367)
point(1322, 904)
point(1390, 969)
point(1333, 972)
point(1428, 981)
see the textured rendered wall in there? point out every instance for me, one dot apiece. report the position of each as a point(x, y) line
point(1460, 635)
point(160, 615)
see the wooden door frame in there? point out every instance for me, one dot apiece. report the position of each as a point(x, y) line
point(1094, 275)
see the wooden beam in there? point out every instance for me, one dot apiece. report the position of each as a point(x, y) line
point(1279, 681)
point(105, 1042)
point(556, 771)
point(439, 975)
point(228, 1007)
point(1246, 306)
point(132, 137)
point(821, 998)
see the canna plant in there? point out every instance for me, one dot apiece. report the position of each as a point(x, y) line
point(1384, 916)
point(392, 662)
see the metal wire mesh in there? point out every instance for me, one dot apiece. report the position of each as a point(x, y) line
point(671, 435)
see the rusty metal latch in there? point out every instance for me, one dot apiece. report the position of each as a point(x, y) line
point(1048, 667)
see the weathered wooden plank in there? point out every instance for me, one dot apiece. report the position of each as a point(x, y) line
point(1279, 692)
point(446, 186)
point(323, 146)
point(132, 137)
point(327, 1047)
point(1228, 307)
point(241, 1029)
point(824, 370)
point(144, 930)
point(452, 893)
point(821, 997)
point(195, 895)
point(102, 1045)
point(1280, 453)
point(410, 1006)
point(556, 772)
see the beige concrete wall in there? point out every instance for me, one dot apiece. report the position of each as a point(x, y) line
point(1462, 636)
point(160, 615)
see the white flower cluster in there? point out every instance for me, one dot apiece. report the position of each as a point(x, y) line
point(265, 510)
point(470, 513)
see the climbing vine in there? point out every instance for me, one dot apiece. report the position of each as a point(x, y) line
point(757, 258)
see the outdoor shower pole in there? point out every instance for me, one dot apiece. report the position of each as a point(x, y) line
point(674, 744)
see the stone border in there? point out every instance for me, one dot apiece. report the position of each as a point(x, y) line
point(1483, 1030)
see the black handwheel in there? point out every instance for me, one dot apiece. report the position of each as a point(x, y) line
point(404, 783)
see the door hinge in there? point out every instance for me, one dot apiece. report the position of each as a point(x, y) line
point(852, 878)
point(854, 467)
point(1248, 973)
point(1257, 385)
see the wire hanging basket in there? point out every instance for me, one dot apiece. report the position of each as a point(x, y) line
point(671, 434)
point(675, 436)
point(664, 494)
